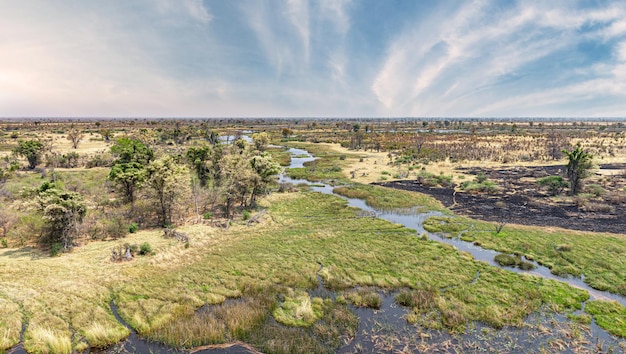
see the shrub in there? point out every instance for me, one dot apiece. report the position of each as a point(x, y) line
point(554, 184)
point(246, 214)
point(145, 249)
point(133, 227)
point(595, 189)
point(207, 215)
point(55, 249)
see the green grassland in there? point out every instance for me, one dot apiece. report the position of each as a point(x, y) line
point(267, 268)
point(565, 252)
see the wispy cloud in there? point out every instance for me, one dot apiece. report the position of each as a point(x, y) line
point(302, 57)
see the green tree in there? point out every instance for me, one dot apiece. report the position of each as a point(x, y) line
point(32, 150)
point(265, 168)
point(198, 157)
point(170, 183)
point(62, 212)
point(578, 167)
point(128, 177)
point(261, 140)
point(132, 150)
point(128, 171)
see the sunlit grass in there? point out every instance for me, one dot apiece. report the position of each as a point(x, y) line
point(565, 252)
point(387, 198)
point(160, 295)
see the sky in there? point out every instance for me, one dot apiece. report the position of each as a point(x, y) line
point(317, 58)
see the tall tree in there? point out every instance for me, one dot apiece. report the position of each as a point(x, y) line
point(32, 150)
point(128, 171)
point(62, 211)
point(265, 168)
point(170, 183)
point(578, 167)
point(198, 157)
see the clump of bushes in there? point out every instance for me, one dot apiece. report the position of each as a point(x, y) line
point(507, 260)
point(127, 251)
point(432, 180)
point(480, 185)
point(554, 184)
point(365, 297)
point(133, 227)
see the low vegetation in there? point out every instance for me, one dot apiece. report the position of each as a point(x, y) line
point(565, 252)
point(385, 199)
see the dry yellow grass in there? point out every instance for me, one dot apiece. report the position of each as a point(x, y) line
point(74, 290)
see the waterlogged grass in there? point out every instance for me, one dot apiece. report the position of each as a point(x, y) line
point(280, 155)
point(246, 273)
point(364, 297)
point(285, 253)
point(565, 252)
point(329, 164)
point(610, 315)
point(298, 309)
point(386, 198)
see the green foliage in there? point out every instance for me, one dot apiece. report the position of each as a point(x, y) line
point(62, 212)
point(246, 214)
point(578, 167)
point(595, 189)
point(554, 184)
point(480, 185)
point(207, 215)
point(261, 140)
point(128, 177)
point(432, 180)
point(32, 150)
point(145, 249)
point(198, 157)
point(132, 150)
point(55, 249)
point(170, 183)
point(133, 227)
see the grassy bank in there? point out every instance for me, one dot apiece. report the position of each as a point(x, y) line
point(565, 252)
point(329, 164)
point(386, 198)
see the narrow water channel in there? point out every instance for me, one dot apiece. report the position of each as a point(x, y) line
point(415, 220)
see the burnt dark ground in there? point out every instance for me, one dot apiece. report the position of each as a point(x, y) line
point(520, 201)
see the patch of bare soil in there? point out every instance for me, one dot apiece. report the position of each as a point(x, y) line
point(520, 201)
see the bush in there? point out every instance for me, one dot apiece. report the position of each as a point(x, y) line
point(207, 215)
point(145, 249)
point(554, 184)
point(595, 189)
point(133, 227)
point(246, 214)
point(55, 249)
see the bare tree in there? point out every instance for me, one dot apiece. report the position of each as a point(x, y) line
point(75, 136)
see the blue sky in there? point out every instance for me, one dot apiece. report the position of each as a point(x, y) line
point(331, 58)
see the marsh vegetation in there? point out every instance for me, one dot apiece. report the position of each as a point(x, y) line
point(283, 268)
